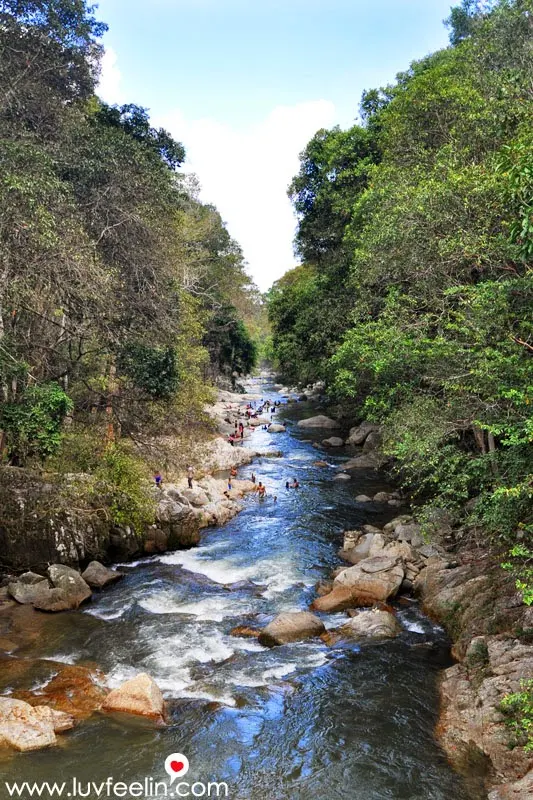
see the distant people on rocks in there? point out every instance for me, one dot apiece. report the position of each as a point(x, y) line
point(190, 475)
point(158, 478)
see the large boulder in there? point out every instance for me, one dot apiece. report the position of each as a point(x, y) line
point(140, 695)
point(320, 421)
point(98, 576)
point(257, 421)
point(360, 462)
point(339, 599)
point(70, 582)
point(68, 589)
point(373, 441)
point(28, 587)
point(520, 790)
point(354, 552)
point(333, 441)
point(291, 627)
point(25, 728)
point(372, 580)
point(276, 428)
point(410, 532)
point(196, 497)
point(373, 624)
point(360, 433)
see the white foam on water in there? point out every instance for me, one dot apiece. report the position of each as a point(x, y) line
point(201, 694)
point(277, 574)
point(279, 672)
point(413, 627)
point(210, 608)
point(63, 658)
point(222, 571)
point(106, 614)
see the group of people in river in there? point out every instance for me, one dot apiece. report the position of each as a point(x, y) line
point(252, 411)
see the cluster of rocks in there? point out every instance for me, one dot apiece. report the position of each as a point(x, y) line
point(383, 563)
point(182, 512)
point(27, 725)
point(392, 499)
point(489, 623)
point(62, 588)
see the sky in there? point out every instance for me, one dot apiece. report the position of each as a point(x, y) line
point(244, 84)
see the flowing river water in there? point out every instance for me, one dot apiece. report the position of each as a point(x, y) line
point(299, 721)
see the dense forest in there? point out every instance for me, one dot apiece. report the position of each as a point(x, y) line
point(414, 299)
point(122, 296)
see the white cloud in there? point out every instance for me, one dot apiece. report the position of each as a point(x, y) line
point(109, 88)
point(245, 173)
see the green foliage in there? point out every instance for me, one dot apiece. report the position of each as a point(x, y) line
point(33, 423)
point(518, 708)
point(415, 304)
point(152, 369)
point(121, 479)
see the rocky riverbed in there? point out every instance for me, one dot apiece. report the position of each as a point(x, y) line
point(300, 600)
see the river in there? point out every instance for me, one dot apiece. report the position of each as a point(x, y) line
point(299, 721)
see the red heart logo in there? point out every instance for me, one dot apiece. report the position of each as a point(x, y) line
point(177, 765)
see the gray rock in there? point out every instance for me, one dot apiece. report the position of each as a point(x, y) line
point(70, 582)
point(391, 526)
point(333, 441)
point(361, 462)
point(319, 421)
point(342, 476)
point(276, 428)
point(429, 550)
point(382, 497)
point(371, 624)
point(372, 442)
point(291, 627)
point(361, 432)
point(363, 498)
point(98, 576)
point(27, 593)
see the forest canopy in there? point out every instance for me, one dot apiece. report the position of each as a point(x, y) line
point(122, 296)
point(414, 299)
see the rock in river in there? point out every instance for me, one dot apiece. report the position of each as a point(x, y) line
point(373, 624)
point(25, 728)
point(140, 695)
point(98, 576)
point(333, 441)
point(370, 581)
point(70, 582)
point(320, 421)
point(291, 627)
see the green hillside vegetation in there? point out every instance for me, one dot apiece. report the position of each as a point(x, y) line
point(122, 296)
point(414, 301)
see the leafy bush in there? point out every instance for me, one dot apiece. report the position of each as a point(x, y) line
point(121, 478)
point(33, 422)
point(518, 708)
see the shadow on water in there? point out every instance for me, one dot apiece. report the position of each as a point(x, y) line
point(299, 721)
